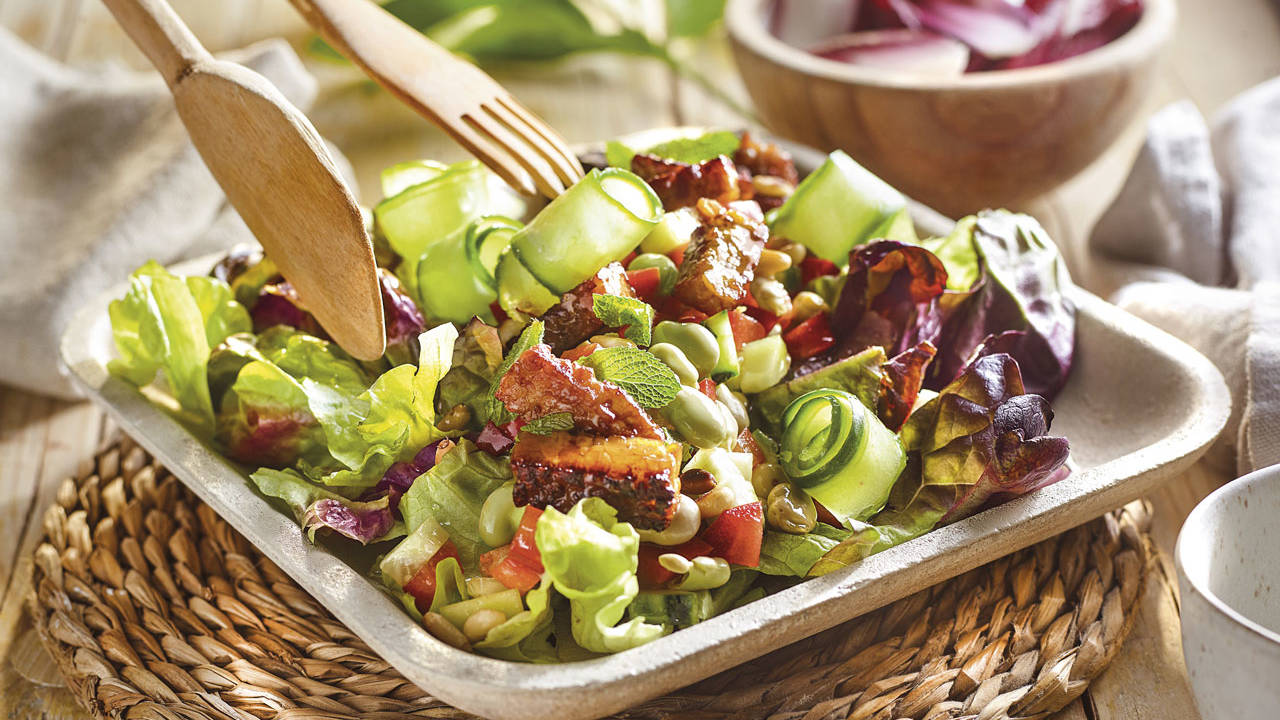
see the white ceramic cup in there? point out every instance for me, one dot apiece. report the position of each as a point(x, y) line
point(1228, 558)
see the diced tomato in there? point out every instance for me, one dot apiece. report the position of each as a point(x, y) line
point(809, 337)
point(747, 443)
point(707, 387)
point(745, 328)
point(586, 348)
point(523, 548)
point(813, 266)
point(736, 535)
point(692, 315)
point(498, 313)
point(517, 565)
point(766, 319)
point(677, 255)
point(646, 283)
point(650, 572)
point(422, 586)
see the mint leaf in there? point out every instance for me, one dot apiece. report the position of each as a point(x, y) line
point(548, 424)
point(697, 149)
point(616, 311)
point(532, 335)
point(644, 377)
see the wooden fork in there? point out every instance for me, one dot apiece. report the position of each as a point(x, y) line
point(451, 92)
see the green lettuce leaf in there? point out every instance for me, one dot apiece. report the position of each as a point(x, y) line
point(169, 324)
point(794, 555)
point(317, 508)
point(453, 492)
point(591, 559)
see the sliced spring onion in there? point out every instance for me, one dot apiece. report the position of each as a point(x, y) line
point(840, 453)
point(841, 205)
point(598, 220)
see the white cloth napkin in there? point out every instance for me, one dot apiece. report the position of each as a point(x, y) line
point(1193, 243)
point(98, 176)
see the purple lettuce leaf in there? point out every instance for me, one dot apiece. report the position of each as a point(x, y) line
point(1021, 287)
point(400, 476)
point(404, 321)
point(890, 298)
point(364, 522)
point(901, 378)
point(981, 441)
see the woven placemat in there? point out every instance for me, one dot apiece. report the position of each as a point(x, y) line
point(153, 607)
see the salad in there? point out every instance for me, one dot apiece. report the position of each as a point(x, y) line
point(691, 380)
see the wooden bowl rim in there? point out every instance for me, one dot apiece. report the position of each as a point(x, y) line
point(743, 21)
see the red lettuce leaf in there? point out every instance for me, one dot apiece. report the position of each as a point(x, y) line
point(1021, 287)
point(361, 521)
point(404, 321)
point(890, 298)
point(900, 382)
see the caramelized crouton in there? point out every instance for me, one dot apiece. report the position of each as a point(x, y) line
point(574, 319)
point(720, 262)
point(765, 158)
point(680, 184)
point(540, 384)
point(638, 477)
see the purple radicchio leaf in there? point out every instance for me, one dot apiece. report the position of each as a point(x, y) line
point(981, 441)
point(400, 476)
point(1021, 287)
point(362, 521)
point(404, 321)
point(890, 298)
point(279, 304)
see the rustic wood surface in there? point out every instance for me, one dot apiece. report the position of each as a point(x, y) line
point(1221, 48)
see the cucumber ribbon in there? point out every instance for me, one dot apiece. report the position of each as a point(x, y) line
point(835, 448)
point(597, 221)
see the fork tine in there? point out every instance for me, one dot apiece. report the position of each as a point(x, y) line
point(489, 154)
point(540, 128)
point(568, 172)
point(520, 150)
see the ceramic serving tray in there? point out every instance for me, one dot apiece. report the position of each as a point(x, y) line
point(1140, 407)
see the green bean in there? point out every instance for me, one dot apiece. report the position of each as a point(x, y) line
point(666, 269)
point(764, 363)
point(499, 517)
point(674, 358)
point(697, 343)
point(699, 420)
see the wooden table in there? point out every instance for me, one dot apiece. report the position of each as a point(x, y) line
point(1221, 48)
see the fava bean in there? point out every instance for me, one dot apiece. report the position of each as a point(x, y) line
point(666, 269)
point(699, 420)
point(499, 517)
point(673, 357)
point(705, 573)
point(737, 404)
point(764, 476)
point(696, 342)
point(481, 622)
point(790, 509)
point(771, 295)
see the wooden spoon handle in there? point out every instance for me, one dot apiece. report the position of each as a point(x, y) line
point(158, 31)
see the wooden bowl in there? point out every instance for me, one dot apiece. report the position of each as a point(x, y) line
point(961, 144)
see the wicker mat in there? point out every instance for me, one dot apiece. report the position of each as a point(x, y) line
point(153, 607)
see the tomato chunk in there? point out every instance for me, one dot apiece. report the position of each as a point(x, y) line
point(813, 266)
point(422, 586)
point(737, 533)
point(810, 337)
point(517, 565)
point(745, 328)
point(646, 283)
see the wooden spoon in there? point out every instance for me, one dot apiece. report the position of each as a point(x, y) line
point(276, 172)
